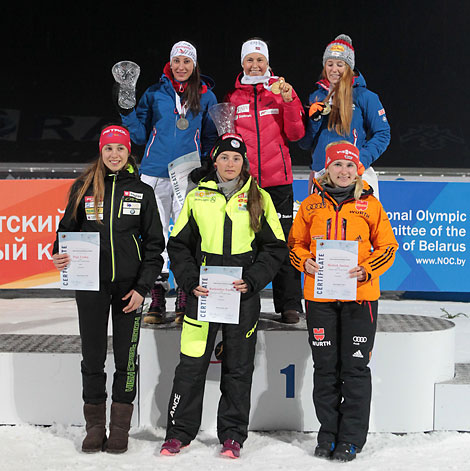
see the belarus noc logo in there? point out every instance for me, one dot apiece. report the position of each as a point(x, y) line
point(319, 334)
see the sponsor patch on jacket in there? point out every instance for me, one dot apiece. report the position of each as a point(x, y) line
point(242, 201)
point(243, 108)
point(132, 209)
point(270, 111)
point(137, 196)
point(381, 112)
point(318, 237)
point(362, 205)
point(203, 195)
point(90, 209)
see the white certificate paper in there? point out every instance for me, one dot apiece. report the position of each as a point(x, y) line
point(223, 303)
point(179, 170)
point(83, 271)
point(336, 258)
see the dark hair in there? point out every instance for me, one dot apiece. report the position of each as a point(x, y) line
point(255, 199)
point(192, 94)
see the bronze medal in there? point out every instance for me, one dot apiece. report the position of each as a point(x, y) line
point(326, 110)
point(182, 124)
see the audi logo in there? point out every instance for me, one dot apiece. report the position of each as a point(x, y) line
point(359, 339)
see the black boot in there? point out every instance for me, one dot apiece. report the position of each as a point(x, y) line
point(119, 426)
point(95, 417)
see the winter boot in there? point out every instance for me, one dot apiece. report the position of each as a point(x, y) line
point(119, 426)
point(95, 417)
point(231, 449)
point(291, 316)
point(157, 310)
point(324, 449)
point(180, 305)
point(345, 452)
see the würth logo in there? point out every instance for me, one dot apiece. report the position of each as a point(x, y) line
point(319, 334)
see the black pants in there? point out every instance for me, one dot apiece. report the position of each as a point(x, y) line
point(239, 343)
point(93, 314)
point(341, 336)
point(287, 290)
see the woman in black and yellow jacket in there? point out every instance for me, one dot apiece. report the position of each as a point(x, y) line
point(226, 221)
point(110, 199)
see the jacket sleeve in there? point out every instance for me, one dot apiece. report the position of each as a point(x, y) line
point(384, 245)
point(311, 127)
point(299, 240)
point(208, 131)
point(67, 223)
point(153, 244)
point(182, 246)
point(376, 124)
point(139, 120)
point(271, 250)
point(294, 127)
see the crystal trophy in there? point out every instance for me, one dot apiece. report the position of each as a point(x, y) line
point(223, 115)
point(126, 74)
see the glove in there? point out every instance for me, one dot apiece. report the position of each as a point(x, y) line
point(115, 95)
point(315, 111)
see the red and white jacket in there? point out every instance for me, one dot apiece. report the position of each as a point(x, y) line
point(266, 124)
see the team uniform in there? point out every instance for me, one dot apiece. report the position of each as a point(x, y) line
point(212, 230)
point(154, 124)
point(266, 124)
point(131, 241)
point(341, 333)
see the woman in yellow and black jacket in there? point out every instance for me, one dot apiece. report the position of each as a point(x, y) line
point(110, 199)
point(341, 333)
point(226, 221)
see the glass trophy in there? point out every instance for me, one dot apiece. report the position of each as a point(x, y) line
point(126, 74)
point(223, 115)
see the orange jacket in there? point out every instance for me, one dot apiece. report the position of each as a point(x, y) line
point(320, 217)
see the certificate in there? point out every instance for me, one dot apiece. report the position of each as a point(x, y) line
point(223, 302)
point(336, 258)
point(179, 170)
point(83, 271)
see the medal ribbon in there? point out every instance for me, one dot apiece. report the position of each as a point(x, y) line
point(182, 109)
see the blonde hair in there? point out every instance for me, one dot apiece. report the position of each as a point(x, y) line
point(342, 107)
point(325, 179)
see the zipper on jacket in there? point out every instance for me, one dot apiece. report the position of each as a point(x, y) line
point(137, 247)
point(283, 161)
point(113, 264)
point(257, 134)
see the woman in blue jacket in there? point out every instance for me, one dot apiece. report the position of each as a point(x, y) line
point(172, 120)
point(342, 108)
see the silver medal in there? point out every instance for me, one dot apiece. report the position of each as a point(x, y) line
point(182, 124)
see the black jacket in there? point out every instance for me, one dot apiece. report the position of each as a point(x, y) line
point(131, 237)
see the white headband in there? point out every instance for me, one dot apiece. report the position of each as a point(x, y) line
point(255, 45)
point(183, 48)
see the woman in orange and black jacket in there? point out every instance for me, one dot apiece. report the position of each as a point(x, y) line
point(341, 333)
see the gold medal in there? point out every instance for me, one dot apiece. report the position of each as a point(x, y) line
point(275, 88)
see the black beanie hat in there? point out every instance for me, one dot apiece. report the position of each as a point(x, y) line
point(229, 141)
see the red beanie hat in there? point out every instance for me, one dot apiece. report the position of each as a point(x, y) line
point(343, 151)
point(115, 135)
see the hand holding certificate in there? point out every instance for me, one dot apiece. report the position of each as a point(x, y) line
point(80, 270)
point(335, 278)
point(219, 294)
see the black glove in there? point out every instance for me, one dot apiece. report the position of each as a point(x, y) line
point(115, 95)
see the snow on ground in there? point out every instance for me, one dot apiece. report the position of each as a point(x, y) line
point(27, 447)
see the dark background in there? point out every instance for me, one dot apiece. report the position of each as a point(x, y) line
point(55, 90)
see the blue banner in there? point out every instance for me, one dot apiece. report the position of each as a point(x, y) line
point(431, 221)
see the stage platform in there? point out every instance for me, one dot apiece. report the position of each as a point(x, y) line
point(415, 387)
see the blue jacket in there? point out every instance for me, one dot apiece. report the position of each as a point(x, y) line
point(153, 123)
point(370, 130)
